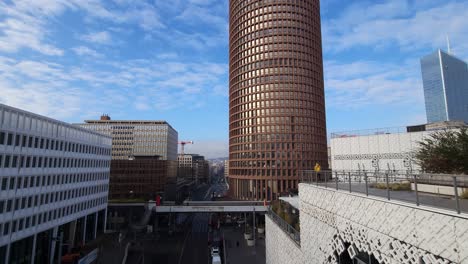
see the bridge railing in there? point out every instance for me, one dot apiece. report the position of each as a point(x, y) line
point(438, 190)
point(294, 234)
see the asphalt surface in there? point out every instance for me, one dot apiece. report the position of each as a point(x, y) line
point(195, 245)
point(186, 245)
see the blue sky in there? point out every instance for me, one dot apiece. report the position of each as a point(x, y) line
point(168, 60)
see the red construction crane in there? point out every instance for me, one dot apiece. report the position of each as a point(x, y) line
point(182, 143)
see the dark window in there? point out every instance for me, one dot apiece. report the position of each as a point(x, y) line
point(6, 228)
point(36, 143)
point(7, 161)
point(4, 183)
point(12, 183)
point(8, 207)
point(21, 223)
point(19, 182)
point(2, 138)
point(30, 142)
point(17, 140)
point(2, 205)
point(10, 139)
point(24, 142)
point(14, 162)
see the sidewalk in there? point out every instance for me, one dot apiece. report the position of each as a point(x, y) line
point(243, 254)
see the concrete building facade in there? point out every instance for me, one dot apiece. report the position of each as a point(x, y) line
point(342, 227)
point(193, 167)
point(382, 149)
point(276, 96)
point(54, 180)
point(137, 137)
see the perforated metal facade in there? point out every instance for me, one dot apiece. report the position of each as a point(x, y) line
point(276, 105)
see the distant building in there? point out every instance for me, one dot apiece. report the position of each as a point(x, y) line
point(226, 169)
point(54, 180)
point(382, 149)
point(141, 177)
point(445, 81)
point(137, 137)
point(193, 167)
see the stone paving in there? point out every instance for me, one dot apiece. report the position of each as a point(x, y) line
point(243, 254)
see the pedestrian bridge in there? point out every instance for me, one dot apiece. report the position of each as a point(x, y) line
point(200, 206)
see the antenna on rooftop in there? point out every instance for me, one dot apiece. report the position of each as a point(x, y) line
point(449, 50)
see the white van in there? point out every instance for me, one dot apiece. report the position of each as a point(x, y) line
point(216, 259)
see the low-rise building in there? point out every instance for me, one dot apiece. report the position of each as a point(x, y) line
point(54, 180)
point(382, 149)
point(141, 177)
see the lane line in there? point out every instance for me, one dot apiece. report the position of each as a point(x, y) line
point(183, 246)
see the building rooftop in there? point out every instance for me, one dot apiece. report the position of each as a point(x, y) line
point(152, 122)
point(292, 200)
point(399, 130)
point(51, 120)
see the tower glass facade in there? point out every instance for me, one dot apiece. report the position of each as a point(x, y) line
point(276, 96)
point(445, 81)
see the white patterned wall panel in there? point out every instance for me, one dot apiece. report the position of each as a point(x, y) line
point(280, 249)
point(392, 233)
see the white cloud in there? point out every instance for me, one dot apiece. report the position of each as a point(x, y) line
point(22, 30)
point(134, 84)
point(85, 51)
point(410, 26)
point(361, 84)
point(101, 37)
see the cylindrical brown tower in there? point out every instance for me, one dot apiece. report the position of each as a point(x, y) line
point(276, 96)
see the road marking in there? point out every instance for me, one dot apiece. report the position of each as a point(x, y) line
point(183, 246)
point(208, 192)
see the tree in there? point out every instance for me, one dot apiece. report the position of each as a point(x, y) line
point(444, 152)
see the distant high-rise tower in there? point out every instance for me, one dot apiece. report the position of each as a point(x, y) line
point(276, 96)
point(445, 81)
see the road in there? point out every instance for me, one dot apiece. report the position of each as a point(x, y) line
point(189, 246)
point(195, 247)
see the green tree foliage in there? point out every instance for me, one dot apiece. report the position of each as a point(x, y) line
point(444, 152)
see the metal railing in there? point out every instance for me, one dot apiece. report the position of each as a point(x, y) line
point(437, 190)
point(287, 228)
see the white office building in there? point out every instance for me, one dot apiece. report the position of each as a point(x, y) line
point(382, 149)
point(53, 186)
point(137, 137)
